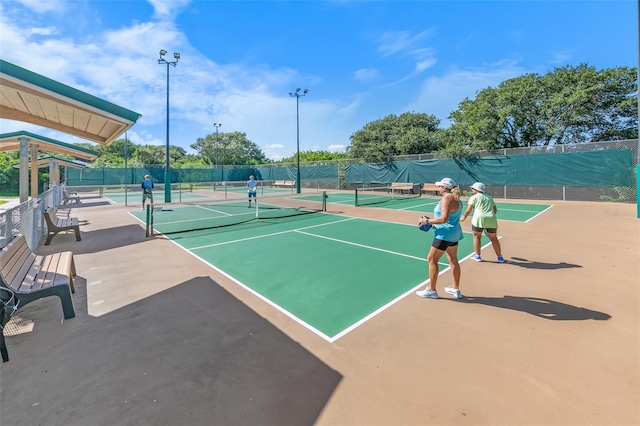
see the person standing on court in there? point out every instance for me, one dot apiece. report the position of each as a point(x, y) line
point(484, 219)
point(252, 186)
point(147, 190)
point(447, 230)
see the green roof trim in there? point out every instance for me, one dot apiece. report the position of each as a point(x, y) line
point(51, 141)
point(63, 90)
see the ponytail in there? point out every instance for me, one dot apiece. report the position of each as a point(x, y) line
point(456, 193)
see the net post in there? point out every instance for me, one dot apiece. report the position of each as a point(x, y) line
point(148, 222)
point(324, 201)
point(356, 203)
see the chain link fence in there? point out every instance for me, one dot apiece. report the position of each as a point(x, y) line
point(332, 174)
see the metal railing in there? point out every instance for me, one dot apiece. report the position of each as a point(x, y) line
point(27, 218)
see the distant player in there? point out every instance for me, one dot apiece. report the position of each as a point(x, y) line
point(252, 185)
point(147, 190)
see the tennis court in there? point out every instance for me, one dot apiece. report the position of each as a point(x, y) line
point(221, 191)
point(517, 212)
point(328, 272)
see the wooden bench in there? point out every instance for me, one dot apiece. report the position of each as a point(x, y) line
point(430, 187)
point(402, 186)
point(69, 196)
point(284, 183)
point(29, 276)
point(56, 225)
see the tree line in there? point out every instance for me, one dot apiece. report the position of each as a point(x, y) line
point(567, 105)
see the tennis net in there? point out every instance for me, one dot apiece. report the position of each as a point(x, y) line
point(206, 214)
point(383, 194)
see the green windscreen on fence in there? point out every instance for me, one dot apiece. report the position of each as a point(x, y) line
point(604, 168)
point(608, 168)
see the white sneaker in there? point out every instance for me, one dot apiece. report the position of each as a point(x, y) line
point(429, 294)
point(453, 292)
point(476, 257)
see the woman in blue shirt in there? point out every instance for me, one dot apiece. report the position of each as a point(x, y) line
point(252, 188)
point(447, 230)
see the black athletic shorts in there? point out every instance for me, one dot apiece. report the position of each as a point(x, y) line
point(443, 244)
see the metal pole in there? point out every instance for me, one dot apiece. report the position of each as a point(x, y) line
point(126, 181)
point(167, 176)
point(298, 143)
point(297, 95)
point(217, 126)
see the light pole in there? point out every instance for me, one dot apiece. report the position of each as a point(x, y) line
point(217, 126)
point(167, 176)
point(297, 95)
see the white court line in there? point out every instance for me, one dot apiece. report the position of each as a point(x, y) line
point(518, 210)
point(526, 221)
point(418, 205)
point(360, 245)
point(270, 235)
point(213, 210)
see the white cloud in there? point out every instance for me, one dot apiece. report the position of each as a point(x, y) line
point(168, 8)
point(561, 57)
point(40, 6)
point(336, 148)
point(400, 41)
point(366, 75)
point(440, 95)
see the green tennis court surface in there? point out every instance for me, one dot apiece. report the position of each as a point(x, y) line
point(518, 212)
point(329, 273)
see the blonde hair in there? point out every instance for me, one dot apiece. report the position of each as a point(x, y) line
point(456, 193)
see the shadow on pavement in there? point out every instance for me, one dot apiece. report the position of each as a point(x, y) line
point(191, 355)
point(543, 308)
point(518, 261)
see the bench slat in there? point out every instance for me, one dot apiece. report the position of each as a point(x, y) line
point(31, 274)
point(13, 267)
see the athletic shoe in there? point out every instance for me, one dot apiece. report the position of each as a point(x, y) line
point(429, 294)
point(476, 257)
point(249, 207)
point(453, 292)
point(500, 259)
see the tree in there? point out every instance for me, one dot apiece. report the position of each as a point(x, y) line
point(567, 105)
point(230, 149)
point(307, 156)
point(150, 155)
point(409, 133)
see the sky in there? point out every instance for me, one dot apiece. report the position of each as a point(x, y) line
point(359, 60)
